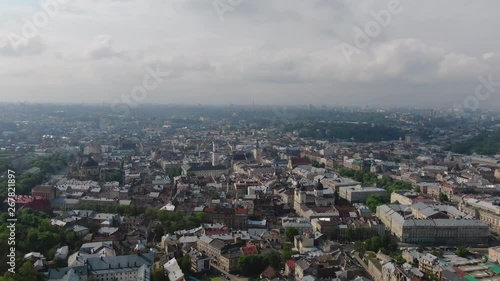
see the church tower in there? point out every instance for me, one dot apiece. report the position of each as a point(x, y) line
point(257, 152)
point(299, 197)
point(214, 154)
point(318, 189)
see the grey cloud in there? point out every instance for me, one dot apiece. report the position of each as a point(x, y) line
point(15, 45)
point(102, 48)
point(270, 51)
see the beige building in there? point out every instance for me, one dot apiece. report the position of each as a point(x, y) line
point(204, 170)
point(486, 211)
point(432, 224)
point(359, 194)
point(229, 261)
point(494, 254)
point(220, 253)
point(304, 243)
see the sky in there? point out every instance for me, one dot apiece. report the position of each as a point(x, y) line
point(423, 53)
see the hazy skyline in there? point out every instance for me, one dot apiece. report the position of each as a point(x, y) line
point(430, 53)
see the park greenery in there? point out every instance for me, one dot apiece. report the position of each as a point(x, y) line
point(25, 181)
point(369, 178)
point(169, 222)
point(375, 200)
point(34, 233)
point(174, 172)
point(253, 265)
point(27, 272)
point(344, 131)
point(486, 143)
point(379, 243)
point(115, 175)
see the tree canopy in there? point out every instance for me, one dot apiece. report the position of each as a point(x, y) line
point(375, 200)
point(290, 233)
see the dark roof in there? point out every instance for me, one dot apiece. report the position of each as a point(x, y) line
point(206, 168)
point(59, 273)
point(269, 273)
point(120, 262)
point(296, 161)
point(319, 185)
point(218, 244)
point(90, 162)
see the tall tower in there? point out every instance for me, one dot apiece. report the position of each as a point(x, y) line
point(318, 189)
point(214, 154)
point(300, 196)
point(257, 152)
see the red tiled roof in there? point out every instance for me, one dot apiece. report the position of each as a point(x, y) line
point(240, 211)
point(33, 202)
point(300, 161)
point(290, 264)
point(249, 250)
point(448, 185)
point(269, 273)
point(460, 272)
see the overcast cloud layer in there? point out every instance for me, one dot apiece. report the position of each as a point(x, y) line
point(263, 51)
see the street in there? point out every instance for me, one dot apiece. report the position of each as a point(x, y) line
point(232, 277)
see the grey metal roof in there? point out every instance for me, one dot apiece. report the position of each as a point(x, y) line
point(119, 263)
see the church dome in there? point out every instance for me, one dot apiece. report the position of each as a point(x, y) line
point(90, 163)
point(319, 185)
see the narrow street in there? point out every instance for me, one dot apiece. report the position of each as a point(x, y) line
point(232, 277)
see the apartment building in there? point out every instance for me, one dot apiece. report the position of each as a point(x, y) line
point(431, 224)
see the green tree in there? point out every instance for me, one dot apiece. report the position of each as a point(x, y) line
point(290, 233)
point(273, 259)
point(287, 253)
point(374, 200)
point(159, 275)
point(360, 247)
point(185, 264)
point(7, 277)
point(443, 197)
point(252, 265)
point(421, 248)
point(462, 252)
point(28, 272)
point(115, 175)
point(174, 172)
